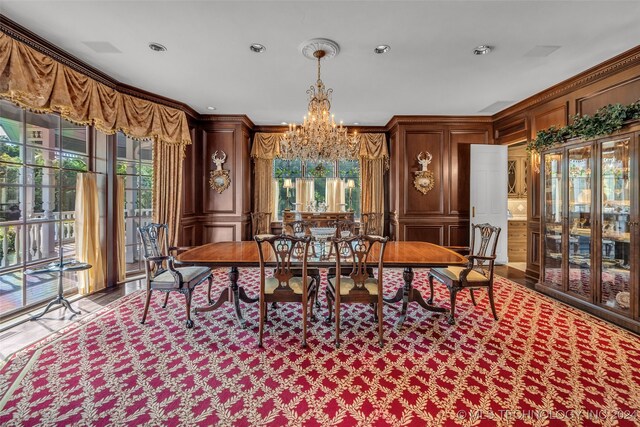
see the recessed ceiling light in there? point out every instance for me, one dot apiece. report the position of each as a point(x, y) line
point(157, 47)
point(211, 108)
point(283, 123)
point(483, 49)
point(383, 48)
point(257, 48)
point(356, 123)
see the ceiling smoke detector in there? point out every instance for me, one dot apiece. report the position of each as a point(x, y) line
point(483, 49)
point(257, 48)
point(157, 47)
point(383, 48)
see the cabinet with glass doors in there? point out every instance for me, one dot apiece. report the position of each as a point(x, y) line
point(590, 227)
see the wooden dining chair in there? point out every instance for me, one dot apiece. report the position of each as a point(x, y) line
point(355, 284)
point(163, 273)
point(477, 274)
point(300, 228)
point(260, 223)
point(372, 223)
point(283, 284)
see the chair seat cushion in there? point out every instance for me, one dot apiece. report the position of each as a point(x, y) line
point(453, 273)
point(189, 275)
point(347, 283)
point(295, 283)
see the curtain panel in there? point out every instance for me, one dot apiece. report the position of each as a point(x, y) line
point(266, 147)
point(374, 162)
point(120, 230)
point(167, 188)
point(87, 232)
point(39, 83)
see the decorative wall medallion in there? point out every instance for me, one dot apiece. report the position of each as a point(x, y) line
point(424, 180)
point(219, 178)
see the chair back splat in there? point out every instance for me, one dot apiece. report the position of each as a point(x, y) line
point(356, 257)
point(287, 281)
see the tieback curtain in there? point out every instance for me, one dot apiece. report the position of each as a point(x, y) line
point(266, 147)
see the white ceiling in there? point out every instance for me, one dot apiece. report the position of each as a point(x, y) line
point(429, 70)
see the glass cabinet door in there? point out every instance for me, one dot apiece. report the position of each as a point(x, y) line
point(615, 222)
point(553, 196)
point(579, 180)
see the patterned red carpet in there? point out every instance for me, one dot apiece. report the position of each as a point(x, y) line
point(542, 364)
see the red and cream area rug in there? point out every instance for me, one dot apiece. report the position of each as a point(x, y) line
point(542, 363)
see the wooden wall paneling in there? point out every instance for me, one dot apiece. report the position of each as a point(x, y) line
point(460, 141)
point(511, 130)
point(432, 233)
point(188, 235)
point(188, 178)
point(624, 92)
point(433, 141)
point(219, 140)
point(549, 115)
point(221, 232)
point(458, 234)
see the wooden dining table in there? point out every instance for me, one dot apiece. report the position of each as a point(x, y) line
point(244, 254)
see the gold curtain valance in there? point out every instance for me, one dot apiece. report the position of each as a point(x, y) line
point(266, 145)
point(41, 84)
point(373, 146)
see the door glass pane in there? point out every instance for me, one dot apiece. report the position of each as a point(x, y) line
point(615, 200)
point(553, 219)
point(580, 221)
point(511, 174)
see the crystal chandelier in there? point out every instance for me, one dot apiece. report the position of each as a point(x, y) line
point(319, 137)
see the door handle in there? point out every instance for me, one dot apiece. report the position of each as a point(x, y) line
point(473, 212)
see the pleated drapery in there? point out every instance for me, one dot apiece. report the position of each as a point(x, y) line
point(275, 187)
point(266, 146)
point(334, 194)
point(305, 193)
point(120, 230)
point(41, 84)
point(374, 161)
point(87, 234)
point(167, 187)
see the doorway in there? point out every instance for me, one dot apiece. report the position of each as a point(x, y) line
point(517, 171)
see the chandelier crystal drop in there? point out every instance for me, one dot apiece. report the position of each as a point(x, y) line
point(319, 137)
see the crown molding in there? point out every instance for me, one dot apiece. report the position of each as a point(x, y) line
point(417, 120)
point(625, 60)
point(228, 118)
point(23, 35)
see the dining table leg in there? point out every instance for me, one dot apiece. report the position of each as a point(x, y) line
point(407, 294)
point(234, 294)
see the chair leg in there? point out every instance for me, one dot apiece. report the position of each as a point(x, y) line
point(146, 307)
point(313, 297)
point(317, 302)
point(430, 300)
point(166, 298)
point(337, 315)
point(304, 319)
point(493, 305)
point(473, 298)
point(263, 313)
point(380, 321)
point(329, 307)
point(375, 312)
point(187, 296)
point(210, 280)
point(453, 293)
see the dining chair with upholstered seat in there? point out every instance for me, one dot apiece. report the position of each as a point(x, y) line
point(260, 223)
point(477, 274)
point(164, 274)
point(284, 284)
point(372, 223)
point(355, 284)
point(300, 228)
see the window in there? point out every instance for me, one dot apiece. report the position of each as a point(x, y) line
point(317, 172)
point(135, 163)
point(40, 156)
